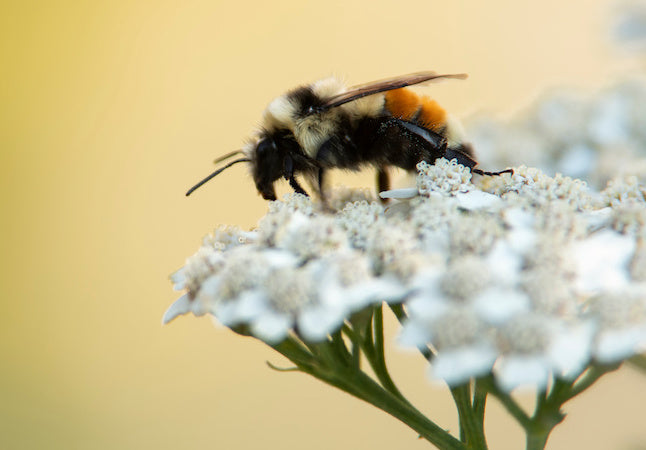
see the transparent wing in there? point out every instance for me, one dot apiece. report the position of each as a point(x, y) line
point(389, 84)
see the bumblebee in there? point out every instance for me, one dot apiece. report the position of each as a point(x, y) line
point(325, 125)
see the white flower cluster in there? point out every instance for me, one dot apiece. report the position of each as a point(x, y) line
point(630, 27)
point(594, 138)
point(526, 277)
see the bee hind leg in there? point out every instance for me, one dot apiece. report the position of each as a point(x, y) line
point(464, 155)
point(492, 174)
point(383, 181)
point(321, 185)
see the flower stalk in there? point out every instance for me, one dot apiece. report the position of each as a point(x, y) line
point(334, 365)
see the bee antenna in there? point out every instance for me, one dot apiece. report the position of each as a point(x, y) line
point(217, 172)
point(227, 156)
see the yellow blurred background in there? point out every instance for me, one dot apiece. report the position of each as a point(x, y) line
point(109, 111)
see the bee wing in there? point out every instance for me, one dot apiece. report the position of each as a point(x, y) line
point(389, 84)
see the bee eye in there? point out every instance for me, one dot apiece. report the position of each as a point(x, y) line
point(261, 148)
point(264, 147)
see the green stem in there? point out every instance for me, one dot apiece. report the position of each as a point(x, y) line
point(560, 390)
point(538, 427)
point(548, 412)
point(479, 401)
point(470, 410)
point(488, 384)
point(541, 426)
point(378, 360)
point(639, 362)
point(536, 440)
point(340, 348)
point(471, 427)
point(545, 419)
point(371, 341)
point(547, 415)
point(326, 364)
point(362, 386)
point(356, 344)
point(589, 378)
point(399, 312)
point(296, 352)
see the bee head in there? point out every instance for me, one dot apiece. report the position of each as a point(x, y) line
point(268, 165)
point(274, 155)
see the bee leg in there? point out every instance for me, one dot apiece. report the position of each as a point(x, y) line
point(492, 174)
point(321, 180)
point(326, 156)
point(464, 155)
point(461, 158)
point(288, 173)
point(321, 183)
point(383, 181)
point(296, 186)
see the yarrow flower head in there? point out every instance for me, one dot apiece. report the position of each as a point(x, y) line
point(513, 278)
point(596, 138)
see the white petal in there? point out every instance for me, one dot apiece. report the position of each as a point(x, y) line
point(332, 294)
point(198, 308)
point(250, 236)
point(528, 371)
point(178, 278)
point(598, 218)
point(615, 345)
point(519, 218)
point(271, 327)
point(400, 193)
point(388, 289)
point(207, 296)
point(179, 307)
point(522, 239)
point(251, 304)
point(457, 366)
point(474, 200)
point(571, 350)
point(601, 261)
point(496, 305)
point(349, 299)
point(428, 308)
point(521, 236)
point(504, 262)
point(282, 258)
point(316, 323)
point(436, 241)
point(427, 281)
point(427, 300)
point(226, 312)
point(246, 307)
point(209, 288)
point(414, 334)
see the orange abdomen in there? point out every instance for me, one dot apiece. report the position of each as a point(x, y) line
point(406, 105)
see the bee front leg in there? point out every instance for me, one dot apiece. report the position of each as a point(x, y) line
point(297, 187)
point(289, 176)
point(327, 156)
